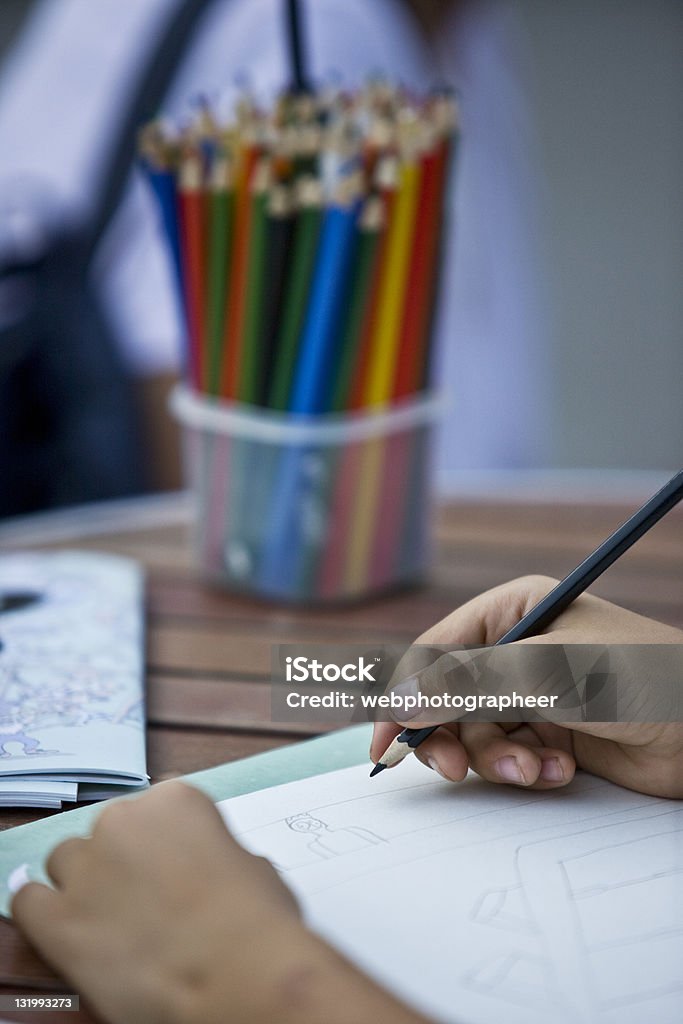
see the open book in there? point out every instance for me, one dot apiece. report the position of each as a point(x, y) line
point(71, 679)
point(477, 903)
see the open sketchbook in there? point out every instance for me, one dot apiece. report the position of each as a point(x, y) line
point(71, 679)
point(558, 907)
point(478, 903)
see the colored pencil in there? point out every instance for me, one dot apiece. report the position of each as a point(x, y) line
point(252, 342)
point(233, 334)
point(443, 112)
point(315, 360)
point(364, 271)
point(158, 163)
point(411, 345)
point(427, 327)
point(384, 352)
point(163, 184)
point(305, 245)
point(278, 248)
point(221, 223)
point(192, 218)
point(386, 179)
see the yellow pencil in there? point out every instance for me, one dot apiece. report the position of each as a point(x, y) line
point(381, 371)
point(384, 348)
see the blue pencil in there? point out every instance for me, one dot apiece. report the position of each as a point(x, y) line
point(299, 483)
point(164, 188)
point(311, 388)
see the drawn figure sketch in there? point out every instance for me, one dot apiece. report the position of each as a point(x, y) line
point(331, 842)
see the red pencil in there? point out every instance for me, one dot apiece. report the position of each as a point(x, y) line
point(446, 116)
point(412, 345)
point(239, 266)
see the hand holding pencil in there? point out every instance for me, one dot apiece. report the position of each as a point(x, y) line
point(645, 757)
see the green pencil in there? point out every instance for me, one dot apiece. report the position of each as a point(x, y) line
point(221, 219)
point(306, 231)
point(370, 228)
point(252, 347)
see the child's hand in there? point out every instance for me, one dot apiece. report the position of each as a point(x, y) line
point(162, 918)
point(644, 757)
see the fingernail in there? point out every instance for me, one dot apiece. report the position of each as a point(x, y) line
point(407, 692)
point(551, 770)
point(508, 769)
point(18, 878)
point(434, 765)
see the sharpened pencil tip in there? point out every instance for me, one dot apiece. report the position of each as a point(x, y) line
point(379, 767)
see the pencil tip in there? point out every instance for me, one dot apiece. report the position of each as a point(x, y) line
point(379, 767)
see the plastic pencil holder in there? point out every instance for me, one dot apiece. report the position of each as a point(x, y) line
point(306, 509)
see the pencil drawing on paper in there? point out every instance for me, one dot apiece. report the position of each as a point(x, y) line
point(327, 841)
point(503, 908)
point(607, 890)
point(519, 977)
point(564, 903)
point(607, 887)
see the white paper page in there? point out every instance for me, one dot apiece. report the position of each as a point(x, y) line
point(478, 903)
point(36, 792)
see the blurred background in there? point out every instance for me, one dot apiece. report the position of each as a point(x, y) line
point(560, 327)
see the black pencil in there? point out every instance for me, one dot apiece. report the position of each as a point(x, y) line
point(560, 597)
point(300, 83)
point(278, 249)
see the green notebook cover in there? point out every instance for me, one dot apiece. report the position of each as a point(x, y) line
point(30, 845)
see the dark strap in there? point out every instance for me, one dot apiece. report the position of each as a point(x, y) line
point(152, 86)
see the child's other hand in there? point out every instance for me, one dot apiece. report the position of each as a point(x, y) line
point(162, 918)
point(641, 756)
point(146, 915)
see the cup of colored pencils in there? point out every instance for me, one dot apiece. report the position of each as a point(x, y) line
point(306, 241)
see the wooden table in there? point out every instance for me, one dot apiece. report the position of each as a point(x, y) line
point(208, 653)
